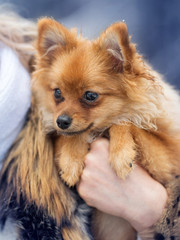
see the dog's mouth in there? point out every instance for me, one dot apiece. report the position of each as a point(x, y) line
point(76, 132)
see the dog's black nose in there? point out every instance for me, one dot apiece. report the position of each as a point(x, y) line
point(64, 121)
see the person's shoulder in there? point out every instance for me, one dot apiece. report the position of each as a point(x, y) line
point(6, 52)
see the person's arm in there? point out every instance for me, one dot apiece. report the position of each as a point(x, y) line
point(15, 97)
point(139, 199)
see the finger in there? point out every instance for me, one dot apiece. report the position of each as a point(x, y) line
point(83, 189)
point(78, 186)
point(99, 144)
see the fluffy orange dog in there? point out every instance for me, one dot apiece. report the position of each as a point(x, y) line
point(87, 87)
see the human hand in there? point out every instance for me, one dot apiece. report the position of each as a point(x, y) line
point(139, 199)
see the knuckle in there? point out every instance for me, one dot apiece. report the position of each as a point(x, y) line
point(83, 192)
point(89, 202)
point(85, 175)
point(89, 159)
point(101, 144)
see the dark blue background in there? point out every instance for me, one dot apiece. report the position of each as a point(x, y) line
point(154, 24)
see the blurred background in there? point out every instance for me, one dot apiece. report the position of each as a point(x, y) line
point(153, 24)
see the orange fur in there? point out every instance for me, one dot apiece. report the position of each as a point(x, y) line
point(140, 110)
point(31, 174)
point(37, 175)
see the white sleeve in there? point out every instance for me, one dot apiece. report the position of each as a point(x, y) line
point(15, 97)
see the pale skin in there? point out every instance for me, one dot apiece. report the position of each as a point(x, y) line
point(138, 199)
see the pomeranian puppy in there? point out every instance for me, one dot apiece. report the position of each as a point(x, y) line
point(81, 90)
point(87, 87)
point(33, 197)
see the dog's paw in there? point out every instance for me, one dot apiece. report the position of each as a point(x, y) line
point(121, 170)
point(121, 163)
point(71, 173)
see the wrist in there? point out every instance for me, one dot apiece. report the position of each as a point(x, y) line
point(150, 212)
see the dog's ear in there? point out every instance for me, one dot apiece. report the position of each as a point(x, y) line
point(53, 35)
point(116, 42)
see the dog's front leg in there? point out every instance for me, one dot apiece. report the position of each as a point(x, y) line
point(70, 153)
point(122, 149)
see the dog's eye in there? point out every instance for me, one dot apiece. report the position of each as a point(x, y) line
point(90, 96)
point(57, 93)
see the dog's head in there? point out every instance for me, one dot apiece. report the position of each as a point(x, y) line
point(82, 84)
